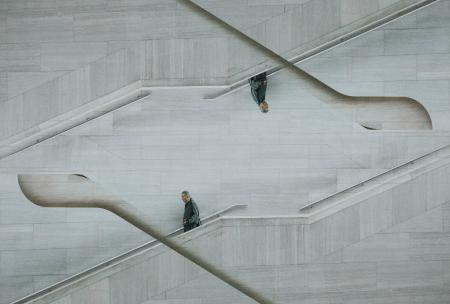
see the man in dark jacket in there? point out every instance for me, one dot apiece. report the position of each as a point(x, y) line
point(191, 217)
point(258, 85)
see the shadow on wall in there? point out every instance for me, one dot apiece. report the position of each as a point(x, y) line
point(78, 191)
point(375, 113)
point(371, 112)
point(394, 113)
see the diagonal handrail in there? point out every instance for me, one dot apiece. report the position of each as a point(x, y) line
point(117, 259)
point(29, 134)
point(377, 179)
point(177, 230)
point(73, 118)
point(431, 161)
point(329, 45)
point(78, 191)
point(305, 216)
point(316, 87)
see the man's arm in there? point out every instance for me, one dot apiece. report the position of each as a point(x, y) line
point(255, 84)
point(194, 215)
point(187, 214)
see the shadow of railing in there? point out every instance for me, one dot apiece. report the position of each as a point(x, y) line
point(118, 259)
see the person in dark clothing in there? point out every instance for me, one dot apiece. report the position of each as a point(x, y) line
point(191, 217)
point(258, 85)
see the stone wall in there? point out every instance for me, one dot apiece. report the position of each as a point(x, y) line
point(409, 57)
point(225, 152)
point(297, 26)
point(388, 246)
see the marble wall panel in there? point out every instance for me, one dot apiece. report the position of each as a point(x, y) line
point(39, 29)
point(50, 4)
point(130, 286)
point(65, 56)
point(418, 41)
point(11, 286)
point(384, 68)
point(401, 274)
point(429, 246)
point(404, 205)
point(20, 57)
point(81, 155)
point(3, 87)
point(415, 46)
point(435, 16)
point(334, 232)
point(20, 82)
point(340, 277)
point(379, 247)
point(105, 26)
point(40, 262)
point(430, 221)
point(352, 10)
point(434, 66)
point(98, 293)
point(3, 32)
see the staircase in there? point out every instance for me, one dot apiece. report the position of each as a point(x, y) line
point(329, 248)
point(124, 76)
point(134, 88)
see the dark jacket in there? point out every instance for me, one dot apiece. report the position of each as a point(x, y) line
point(191, 217)
point(258, 86)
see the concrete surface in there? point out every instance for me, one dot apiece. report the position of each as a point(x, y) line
point(403, 260)
point(225, 152)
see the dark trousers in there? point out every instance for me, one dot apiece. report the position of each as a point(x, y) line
point(258, 86)
point(259, 95)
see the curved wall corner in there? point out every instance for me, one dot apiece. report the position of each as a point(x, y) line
point(389, 114)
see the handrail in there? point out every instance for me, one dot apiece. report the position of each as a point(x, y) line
point(329, 45)
point(29, 137)
point(209, 219)
point(115, 260)
point(372, 180)
point(74, 118)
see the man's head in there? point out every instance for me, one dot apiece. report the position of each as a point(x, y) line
point(264, 106)
point(185, 196)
